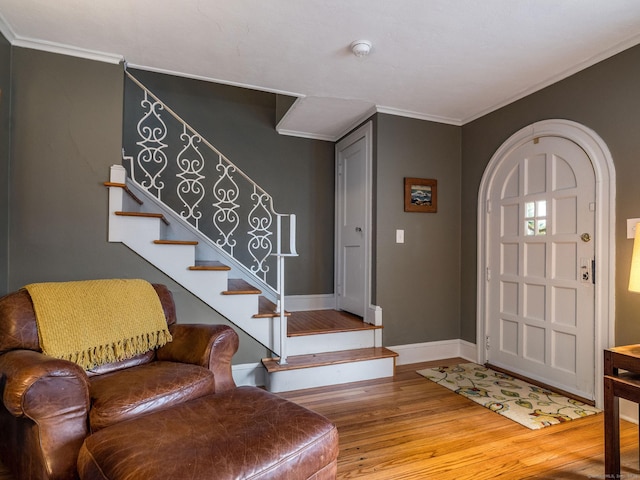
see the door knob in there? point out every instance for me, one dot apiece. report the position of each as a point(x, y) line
point(585, 237)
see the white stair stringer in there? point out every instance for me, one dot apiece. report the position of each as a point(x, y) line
point(139, 234)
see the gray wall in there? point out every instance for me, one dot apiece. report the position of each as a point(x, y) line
point(297, 172)
point(5, 151)
point(418, 282)
point(67, 120)
point(606, 98)
point(67, 116)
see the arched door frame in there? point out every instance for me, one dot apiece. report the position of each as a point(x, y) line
point(604, 169)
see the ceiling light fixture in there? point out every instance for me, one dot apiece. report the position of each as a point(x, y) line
point(361, 48)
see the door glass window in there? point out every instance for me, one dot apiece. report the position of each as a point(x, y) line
point(535, 222)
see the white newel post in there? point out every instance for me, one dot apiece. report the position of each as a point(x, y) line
point(118, 175)
point(283, 317)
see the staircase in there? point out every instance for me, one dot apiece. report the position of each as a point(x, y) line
point(322, 347)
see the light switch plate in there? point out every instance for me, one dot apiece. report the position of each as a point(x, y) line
point(399, 236)
point(631, 227)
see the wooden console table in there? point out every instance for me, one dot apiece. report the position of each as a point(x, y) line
point(618, 385)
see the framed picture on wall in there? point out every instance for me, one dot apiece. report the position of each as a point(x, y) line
point(420, 195)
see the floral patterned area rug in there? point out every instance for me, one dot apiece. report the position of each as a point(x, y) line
point(531, 406)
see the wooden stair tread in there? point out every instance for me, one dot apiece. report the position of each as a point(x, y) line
point(236, 286)
point(267, 309)
point(175, 242)
point(143, 215)
point(317, 322)
point(126, 189)
point(296, 362)
point(210, 265)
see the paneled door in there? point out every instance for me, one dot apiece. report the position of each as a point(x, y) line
point(351, 223)
point(540, 275)
point(353, 226)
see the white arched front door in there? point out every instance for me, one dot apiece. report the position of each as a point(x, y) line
point(541, 228)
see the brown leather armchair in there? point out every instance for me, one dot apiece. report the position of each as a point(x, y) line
point(48, 406)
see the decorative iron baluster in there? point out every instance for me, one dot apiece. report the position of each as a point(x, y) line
point(190, 189)
point(225, 218)
point(234, 193)
point(260, 220)
point(231, 202)
point(153, 131)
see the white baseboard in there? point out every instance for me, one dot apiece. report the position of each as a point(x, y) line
point(468, 351)
point(301, 303)
point(430, 351)
point(249, 374)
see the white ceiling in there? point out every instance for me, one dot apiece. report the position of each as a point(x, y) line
point(449, 61)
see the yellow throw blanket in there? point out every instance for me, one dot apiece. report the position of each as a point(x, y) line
point(94, 322)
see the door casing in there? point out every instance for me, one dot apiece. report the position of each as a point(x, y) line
point(602, 162)
point(373, 313)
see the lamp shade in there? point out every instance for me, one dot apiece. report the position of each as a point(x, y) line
point(634, 275)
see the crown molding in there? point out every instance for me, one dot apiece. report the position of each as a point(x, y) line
point(6, 30)
point(176, 73)
point(419, 116)
point(309, 135)
point(52, 47)
point(59, 48)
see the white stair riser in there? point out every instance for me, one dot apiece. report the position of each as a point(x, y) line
point(135, 228)
point(182, 256)
point(236, 306)
point(322, 376)
point(140, 229)
point(330, 342)
point(205, 283)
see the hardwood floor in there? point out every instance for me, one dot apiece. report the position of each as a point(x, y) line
point(407, 427)
point(410, 428)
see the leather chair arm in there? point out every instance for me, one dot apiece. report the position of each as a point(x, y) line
point(30, 387)
point(54, 394)
point(210, 346)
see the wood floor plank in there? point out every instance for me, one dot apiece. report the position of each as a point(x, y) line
point(407, 427)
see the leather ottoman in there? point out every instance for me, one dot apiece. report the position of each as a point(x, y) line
point(243, 433)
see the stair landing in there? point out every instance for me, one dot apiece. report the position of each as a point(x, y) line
point(317, 322)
